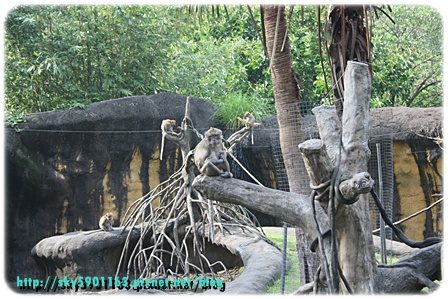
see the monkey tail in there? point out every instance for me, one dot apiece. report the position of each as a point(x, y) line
point(161, 146)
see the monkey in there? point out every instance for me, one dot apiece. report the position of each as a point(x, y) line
point(168, 128)
point(106, 222)
point(210, 156)
point(249, 121)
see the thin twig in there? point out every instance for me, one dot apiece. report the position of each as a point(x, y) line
point(412, 215)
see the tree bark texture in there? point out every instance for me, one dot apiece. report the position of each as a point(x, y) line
point(286, 92)
point(353, 225)
point(407, 275)
point(346, 146)
point(319, 168)
point(293, 208)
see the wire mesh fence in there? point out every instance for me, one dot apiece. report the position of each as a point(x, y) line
point(306, 259)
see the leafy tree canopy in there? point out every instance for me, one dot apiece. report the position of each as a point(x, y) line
point(62, 57)
point(407, 62)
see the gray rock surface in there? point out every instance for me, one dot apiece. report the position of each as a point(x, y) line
point(97, 253)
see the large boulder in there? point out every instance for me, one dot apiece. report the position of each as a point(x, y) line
point(97, 254)
point(75, 254)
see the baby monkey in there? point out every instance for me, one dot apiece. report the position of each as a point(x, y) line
point(106, 222)
point(210, 156)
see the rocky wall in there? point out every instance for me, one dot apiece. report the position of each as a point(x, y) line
point(418, 170)
point(65, 169)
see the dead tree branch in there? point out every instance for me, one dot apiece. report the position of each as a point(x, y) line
point(296, 209)
point(176, 221)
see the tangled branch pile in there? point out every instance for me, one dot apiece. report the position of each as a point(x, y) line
point(176, 222)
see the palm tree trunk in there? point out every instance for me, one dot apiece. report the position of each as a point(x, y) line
point(349, 40)
point(286, 93)
point(287, 98)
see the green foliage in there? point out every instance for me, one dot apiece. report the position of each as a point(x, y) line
point(64, 57)
point(224, 64)
point(67, 57)
point(306, 58)
point(14, 117)
point(205, 69)
point(407, 58)
point(58, 57)
point(236, 104)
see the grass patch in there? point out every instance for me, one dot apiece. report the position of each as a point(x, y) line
point(236, 104)
point(292, 278)
point(389, 261)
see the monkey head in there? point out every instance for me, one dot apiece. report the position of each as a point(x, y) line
point(214, 137)
point(168, 125)
point(170, 122)
point(109, 217)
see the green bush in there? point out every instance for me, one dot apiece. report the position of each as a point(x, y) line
point(13, 117)
point(236, 104)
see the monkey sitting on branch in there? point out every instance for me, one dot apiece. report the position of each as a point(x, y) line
point(167, 127)
point(210, 156)
point(249, 125)
point(249, 121)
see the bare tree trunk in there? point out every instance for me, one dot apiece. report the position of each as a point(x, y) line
point(287, 97)
point(352, 221)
